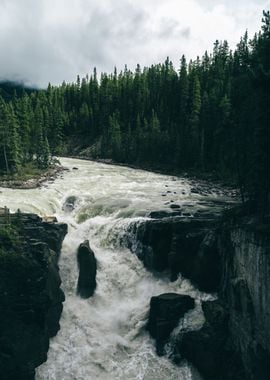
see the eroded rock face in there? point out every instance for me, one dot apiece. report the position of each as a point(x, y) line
point(181, 245)
point(245, 251)
point(30, 294)
point(230, 257)
point(205, 348)
point(87, 270)
point(165, 312)
point(234, 342)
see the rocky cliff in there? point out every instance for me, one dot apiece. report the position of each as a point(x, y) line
point(244, 247)
point(180, 245)
point(30, 294)
point(231, 257)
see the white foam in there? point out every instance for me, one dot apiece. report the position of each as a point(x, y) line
point(104, 337)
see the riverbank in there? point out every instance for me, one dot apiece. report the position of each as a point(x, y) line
point(201, 182)
point(159, 169)
point(32, 178)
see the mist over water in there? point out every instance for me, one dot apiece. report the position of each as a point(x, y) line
point(104, 337)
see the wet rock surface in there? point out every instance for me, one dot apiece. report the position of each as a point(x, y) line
point(181, 237)
point(30, 294)
point(206, 348)
point(232, 257)
point(234, 342)
point(165, 312)
point(181, 245)
point(87, 270)
point(245, 250)
point(70, 203)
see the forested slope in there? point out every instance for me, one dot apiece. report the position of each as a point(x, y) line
point(211, 114)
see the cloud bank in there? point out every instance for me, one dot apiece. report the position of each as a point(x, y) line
point(54, 40)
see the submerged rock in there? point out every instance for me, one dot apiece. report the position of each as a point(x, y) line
point(87, 270)
point(175, 206)
point(165, 312)
point(70, 203)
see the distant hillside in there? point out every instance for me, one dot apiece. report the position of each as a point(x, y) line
point(9, 88)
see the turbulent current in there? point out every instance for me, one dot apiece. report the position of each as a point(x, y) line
point(104, 337)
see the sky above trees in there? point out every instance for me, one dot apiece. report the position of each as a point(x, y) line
point(54, 40)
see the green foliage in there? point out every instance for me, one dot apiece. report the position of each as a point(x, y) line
point(9, 236)
point(211, 115)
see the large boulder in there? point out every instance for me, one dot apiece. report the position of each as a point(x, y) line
point(87, 270)
point(165, 312)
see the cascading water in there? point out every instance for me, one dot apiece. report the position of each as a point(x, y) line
point(104, 337)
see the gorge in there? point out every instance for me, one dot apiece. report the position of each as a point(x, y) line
point(179, 246)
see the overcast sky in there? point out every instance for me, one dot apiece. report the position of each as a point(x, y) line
point(54, 40)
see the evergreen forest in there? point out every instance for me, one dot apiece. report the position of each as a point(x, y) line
point(208, 115)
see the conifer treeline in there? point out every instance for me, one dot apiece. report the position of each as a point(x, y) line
point(211, 114)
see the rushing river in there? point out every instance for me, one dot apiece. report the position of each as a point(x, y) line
point(104, 337)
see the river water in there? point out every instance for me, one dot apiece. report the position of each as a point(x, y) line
point(104, 337)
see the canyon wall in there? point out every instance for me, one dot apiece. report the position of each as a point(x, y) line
point(232, 258)
point(30, 294)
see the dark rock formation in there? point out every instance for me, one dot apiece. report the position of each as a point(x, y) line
point(181, 245)
point(165, 312)
point(164, 214)
point(230, 256)
point(87, 270)
point(175, 206)
point(205, 348)
point(30, 297)
point(245, 251)
point(234, 342)
point(70, 203)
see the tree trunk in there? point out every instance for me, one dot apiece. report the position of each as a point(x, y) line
point(6, 160)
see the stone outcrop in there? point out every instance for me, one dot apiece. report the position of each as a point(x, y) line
point(87, 270)
point(235, 343)
point(206, 348)
point(30, 294)
point(231, 257)
point(165, 312)
point(245, 289)
point(180, 245)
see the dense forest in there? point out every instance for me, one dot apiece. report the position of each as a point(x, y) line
point(209, 115)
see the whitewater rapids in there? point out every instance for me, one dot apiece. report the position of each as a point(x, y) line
point(104, 337)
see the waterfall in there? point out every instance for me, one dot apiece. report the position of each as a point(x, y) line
point(104, 337)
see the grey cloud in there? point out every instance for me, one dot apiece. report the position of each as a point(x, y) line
point(229, 3)
point(171, 28)
point(186, 32)
point(168, 28)
point(54, 40)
